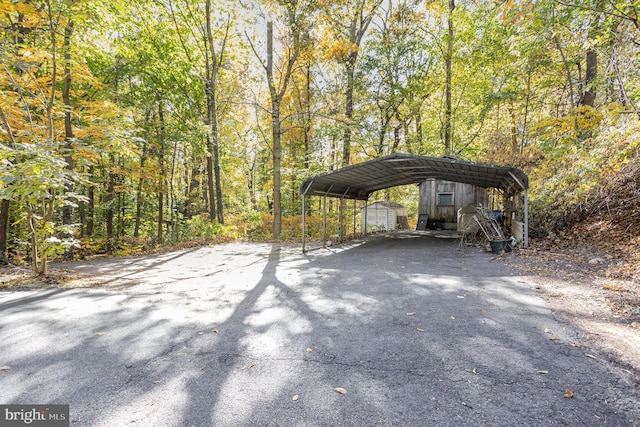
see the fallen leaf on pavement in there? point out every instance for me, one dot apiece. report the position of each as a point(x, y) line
point(215, 331)
point(553, 338)
point(4, 368)
point(453, 318)
point(591, 356)
point(475, 371)
point(568, 394)
point(411, 314)
point(294, 398)
point(341, 390)
point(543, 372)
point(421, 330)
point(309, 350)
point(100, 333)
point(547, 331)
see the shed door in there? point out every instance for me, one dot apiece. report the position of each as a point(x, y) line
point(381, 218)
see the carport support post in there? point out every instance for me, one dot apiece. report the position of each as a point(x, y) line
point(303, 224)
point(526, 218)
point(354, 218)
point(324, 220)
point(341, 213)
point(341, 203)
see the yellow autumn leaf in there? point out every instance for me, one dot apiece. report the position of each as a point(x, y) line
point(341, 390)
point(568, 394)
point(309, 350)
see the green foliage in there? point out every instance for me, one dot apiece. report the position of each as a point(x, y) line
point(572, 167)
point(141, 73)
point(200, 227)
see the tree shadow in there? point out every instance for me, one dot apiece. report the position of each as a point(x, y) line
point(416, 334)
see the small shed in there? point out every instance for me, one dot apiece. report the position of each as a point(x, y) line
point(384, 216)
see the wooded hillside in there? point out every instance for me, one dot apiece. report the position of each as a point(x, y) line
point(130, 125)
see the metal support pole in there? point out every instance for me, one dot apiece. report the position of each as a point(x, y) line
point(526, 219)
point(366, 213)
point(341, 213)
point(324, 221)
point(341, 231)
point(526, 211)
point(304, 231)
point(354, 218)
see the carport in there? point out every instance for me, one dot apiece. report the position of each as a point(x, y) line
point(359, 181)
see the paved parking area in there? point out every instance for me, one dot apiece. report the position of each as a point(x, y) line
point(258, 334)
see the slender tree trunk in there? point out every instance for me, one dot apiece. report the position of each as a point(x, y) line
point(161, 143)
point(276, 134)
point(419, 136)
point(396, 138)
point(110, 198)
point(90, 206)
point(588, 97)
point(4, 220)
point(567, 70)
point(448, 112)
point(514, 132)
point(307, 129)
point(210, 181)
point(346, 141)
point(172, 199)
point(143, 159)
point(212, 107)
point(526, 111)
point(68, 130)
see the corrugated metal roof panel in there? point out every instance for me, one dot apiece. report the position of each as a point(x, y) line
point(360, 180)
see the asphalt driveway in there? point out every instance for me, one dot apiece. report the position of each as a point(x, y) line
point(254, 334)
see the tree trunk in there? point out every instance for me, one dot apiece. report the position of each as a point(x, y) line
point(109, 198)
point(68, 130)
point(212, 111)
point(588, 97)
point(567, 72)
point(4, 220)
point(210, 181)
point(143, 159)
point(90, 207)
point(346, 142)
point(276, 134)
point(161, 143)
point(447, 131)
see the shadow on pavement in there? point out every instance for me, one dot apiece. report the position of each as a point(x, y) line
point(416, 334)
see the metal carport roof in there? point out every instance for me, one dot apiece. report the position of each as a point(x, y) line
point(360, 180)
